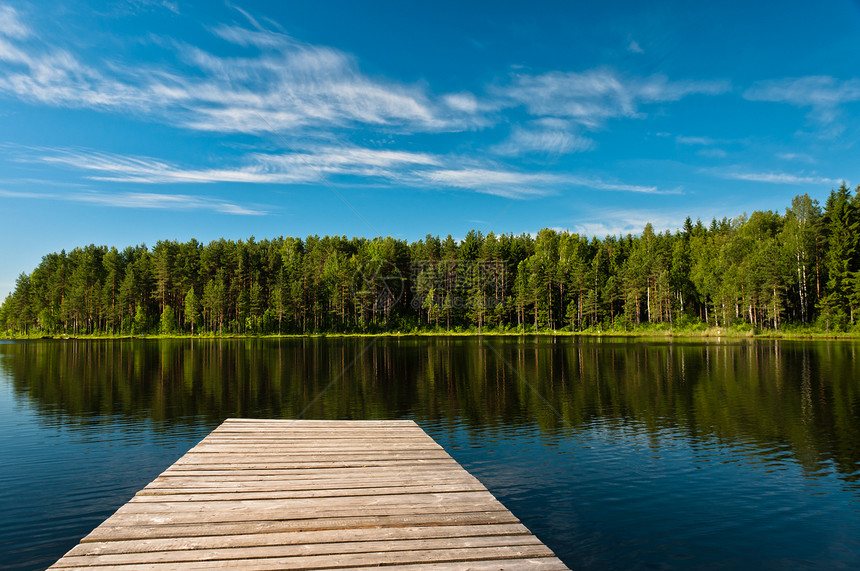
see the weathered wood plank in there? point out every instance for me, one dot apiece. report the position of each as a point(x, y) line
point(167, 517)
point(323, 438)
point(90, 558)
point(297, 538)
point(207, 464)
point(544, 564)
point(297, 505)
point(220, 494)
point(416, 470)
point(328, 561)
point(312, 422)
point(258, 494)
point(113, 530)
point(266, 454)
point(310, 448)
point(239, 482)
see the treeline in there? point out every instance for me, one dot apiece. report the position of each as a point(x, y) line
point(765, 271)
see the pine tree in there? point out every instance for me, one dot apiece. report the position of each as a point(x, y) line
point(192, 308)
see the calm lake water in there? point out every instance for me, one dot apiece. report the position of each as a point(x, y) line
point(617, 453)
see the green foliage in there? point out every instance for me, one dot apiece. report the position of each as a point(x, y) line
point(192, 308)
point(765, 272)
point(140, 324)
point(167, 325)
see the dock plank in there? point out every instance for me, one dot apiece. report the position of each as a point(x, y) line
point(298, 538)
point(296, 494)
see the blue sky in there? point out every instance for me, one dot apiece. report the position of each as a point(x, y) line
point(150, 120)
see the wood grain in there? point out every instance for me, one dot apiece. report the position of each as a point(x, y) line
point(310, 494)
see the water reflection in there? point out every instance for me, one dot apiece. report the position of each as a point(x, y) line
point(776, 401)
point(617, 453)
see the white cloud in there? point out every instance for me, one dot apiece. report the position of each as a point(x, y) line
point(490, 181)
point(285, 85)
point(337, 158)
point(599, 185)
point(160, 201)
point(58, 78)
point(147, 170)
point(309, 165)
point(824, 94)
point(175, 202)
point(166, 4)
point(812, 91)
point(620, 222)
point(593, 96)
point(634, 47)
point(16, 194)
point(550, 139)
point(694, 140)
point(258, 38)
point(293, 86)
point(713, 153)
point(320, 162)
point(11, 25)
point(465, 102)
point(780, 178)
point(515, 184)
point(801, 157)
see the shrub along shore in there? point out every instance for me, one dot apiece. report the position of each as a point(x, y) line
point(798, 333)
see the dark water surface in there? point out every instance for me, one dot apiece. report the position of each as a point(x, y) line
point(617, 453)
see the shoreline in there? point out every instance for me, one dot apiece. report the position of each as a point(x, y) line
point(711, 334)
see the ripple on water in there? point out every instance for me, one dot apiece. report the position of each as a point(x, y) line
point(61, 477)
point(729, 468)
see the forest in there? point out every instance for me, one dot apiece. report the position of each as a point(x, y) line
point(764, 272)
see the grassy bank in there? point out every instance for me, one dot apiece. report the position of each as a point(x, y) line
point(806, 332)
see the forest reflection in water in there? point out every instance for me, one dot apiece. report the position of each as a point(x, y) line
point(802, 394)
point(591, 442)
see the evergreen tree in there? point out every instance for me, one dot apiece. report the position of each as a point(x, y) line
point(192, 308)
point(765, 270)
point(841, 222)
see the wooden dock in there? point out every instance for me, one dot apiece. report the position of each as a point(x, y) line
point(311, 494)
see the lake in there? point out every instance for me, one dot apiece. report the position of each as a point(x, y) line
point(618, 453)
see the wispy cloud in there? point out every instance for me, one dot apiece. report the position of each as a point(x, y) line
point(175, 202)
point(17, 194)
point(119, 168)
point(56, 77)
point(801, 157)
point(499, 182)
point(356, 164)
point(634, 47)
point(704, 141)
point(812, 91)
point(309, 165)
point(619, 222)
point(161, 201)
point(542, 140)
point(640, 189)
point(779, 178)
point(276, 83)
point(283, 86)
point(823, 94)
point(260, 38)
point(515, 184)
point(593, 96)
point(165, 4)
point(11, 25)
point(464, 102)
point(547, 136)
